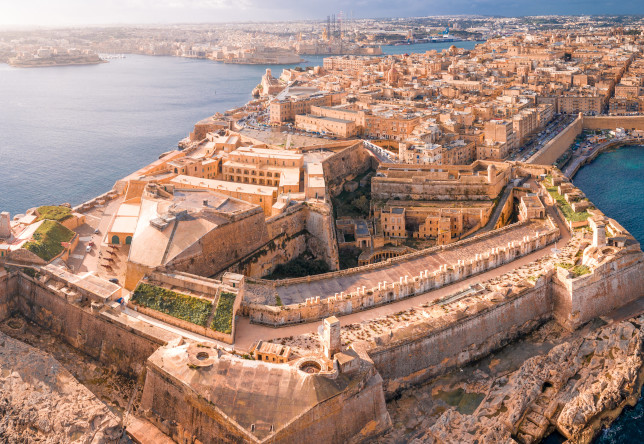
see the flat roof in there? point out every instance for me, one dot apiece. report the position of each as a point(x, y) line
point(330, 119)
point(213, 184)
point(125, 224)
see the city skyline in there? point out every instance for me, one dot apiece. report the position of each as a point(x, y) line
point(77, 12)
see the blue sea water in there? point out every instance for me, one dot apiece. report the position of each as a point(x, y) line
point(614, 182)
point(68, 133)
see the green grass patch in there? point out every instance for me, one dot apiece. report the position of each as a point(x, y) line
point(566, 265)
point(223, 319)
point(565, 207)
point(47, 238)
point(580, 270)
point(177, 305)
point(53, 212)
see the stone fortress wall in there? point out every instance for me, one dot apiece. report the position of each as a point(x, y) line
point(483, 180)
point(347, 163)
point(114, 339)
point(552, 150)
point(426, 349)
point(457, 331)
point(302, 227)
point(364, 298)
point(559, 144)
point(430, 348)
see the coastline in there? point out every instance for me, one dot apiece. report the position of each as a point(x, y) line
point(51, 65)
point(609, 146)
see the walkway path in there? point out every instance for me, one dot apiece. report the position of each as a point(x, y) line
point(171, 328)
point(381, 154)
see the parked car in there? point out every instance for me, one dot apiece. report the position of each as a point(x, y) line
point(114, 280)
point(88, 249)
point(97, 231)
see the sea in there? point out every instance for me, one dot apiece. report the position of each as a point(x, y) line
point(68, 133)
point(614, 182)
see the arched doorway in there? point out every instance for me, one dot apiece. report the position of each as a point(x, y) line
point(128, 240)
point(116, 240)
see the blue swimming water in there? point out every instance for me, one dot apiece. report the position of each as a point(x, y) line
point(614, 182)
point(68, 133)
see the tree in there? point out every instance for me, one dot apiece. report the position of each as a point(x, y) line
point(361, 204)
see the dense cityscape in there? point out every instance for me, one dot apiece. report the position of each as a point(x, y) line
point(387, 246)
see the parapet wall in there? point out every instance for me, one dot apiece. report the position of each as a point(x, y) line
point(364, 298)
point(614, 122)
point(559, 144)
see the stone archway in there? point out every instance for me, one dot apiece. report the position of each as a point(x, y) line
point(128, 240)
point(116, 240)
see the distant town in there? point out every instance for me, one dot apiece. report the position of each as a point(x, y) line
point(382, 248)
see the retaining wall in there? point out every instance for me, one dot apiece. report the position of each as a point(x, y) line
point(609, 286)
point(113, 339)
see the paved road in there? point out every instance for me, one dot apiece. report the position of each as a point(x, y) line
point(171, 328)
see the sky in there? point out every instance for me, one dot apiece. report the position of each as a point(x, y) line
point(92, 12)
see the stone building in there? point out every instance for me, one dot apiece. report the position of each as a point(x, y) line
point(263, 166)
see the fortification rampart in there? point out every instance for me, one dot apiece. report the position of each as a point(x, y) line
point(8, 289)
point(349, 162)
point(613, 122)
point(470, 331)
point(363, 298)
point(112, 338)
point(611, 285)
point(554, 149)
point(220, 248)
point(301, 227)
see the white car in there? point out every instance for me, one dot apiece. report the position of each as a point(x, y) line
point(88, 248)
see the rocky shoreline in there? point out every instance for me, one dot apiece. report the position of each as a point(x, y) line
point(40, 401)
point(574, 384)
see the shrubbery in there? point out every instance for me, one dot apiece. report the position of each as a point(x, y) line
point(303, 265)
point(53, 212)
point(181, 306)
point(223, 319)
